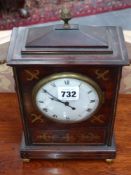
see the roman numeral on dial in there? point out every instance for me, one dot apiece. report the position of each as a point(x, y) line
point(92, 101)
point(67, 82)
point(53, 84)
point(89, 110)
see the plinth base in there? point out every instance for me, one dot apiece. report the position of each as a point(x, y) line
point(68, 151)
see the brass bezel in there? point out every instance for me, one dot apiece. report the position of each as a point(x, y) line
point(73, 76)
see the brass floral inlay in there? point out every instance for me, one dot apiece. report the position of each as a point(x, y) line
point(36, 118)
point(32, 74)
point(97, 118)
point(104, 75)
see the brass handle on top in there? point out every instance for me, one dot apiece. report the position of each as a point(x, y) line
point(65, 16)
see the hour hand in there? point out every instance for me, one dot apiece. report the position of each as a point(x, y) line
point(65, 103)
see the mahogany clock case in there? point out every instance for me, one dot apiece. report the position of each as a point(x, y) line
point(96, 52)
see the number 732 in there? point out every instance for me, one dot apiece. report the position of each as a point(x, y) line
point(68, 93)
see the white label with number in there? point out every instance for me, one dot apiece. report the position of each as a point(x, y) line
point(68, 93)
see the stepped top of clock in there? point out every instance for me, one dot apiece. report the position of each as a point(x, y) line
point(74, 44)
point(71, 39)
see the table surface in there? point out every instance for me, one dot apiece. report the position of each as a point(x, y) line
point(10, 138)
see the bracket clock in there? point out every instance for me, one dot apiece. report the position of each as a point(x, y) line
point(67, 80)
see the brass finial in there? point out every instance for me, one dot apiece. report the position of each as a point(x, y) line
point(65, 15)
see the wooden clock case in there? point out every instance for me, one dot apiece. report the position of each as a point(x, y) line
point(96, 52)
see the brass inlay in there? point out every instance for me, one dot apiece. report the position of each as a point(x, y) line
point(45, 136)
point(36, 118)
point(91, 137)
point(98, 118)
point(32, 74)
point(102, 74)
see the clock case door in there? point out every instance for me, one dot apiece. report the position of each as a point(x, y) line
point(96, 52)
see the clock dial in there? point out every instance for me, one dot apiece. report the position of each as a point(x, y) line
point(67, 97)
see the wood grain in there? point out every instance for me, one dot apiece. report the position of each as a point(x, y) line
point(26, 79)
point(10, 137)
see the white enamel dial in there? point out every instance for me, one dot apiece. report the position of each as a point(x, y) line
point(67, 97)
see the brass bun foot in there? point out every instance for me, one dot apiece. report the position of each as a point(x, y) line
point(26, 160)
point(109, 160)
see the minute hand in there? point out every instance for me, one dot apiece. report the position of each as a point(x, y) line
point(56, 99)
